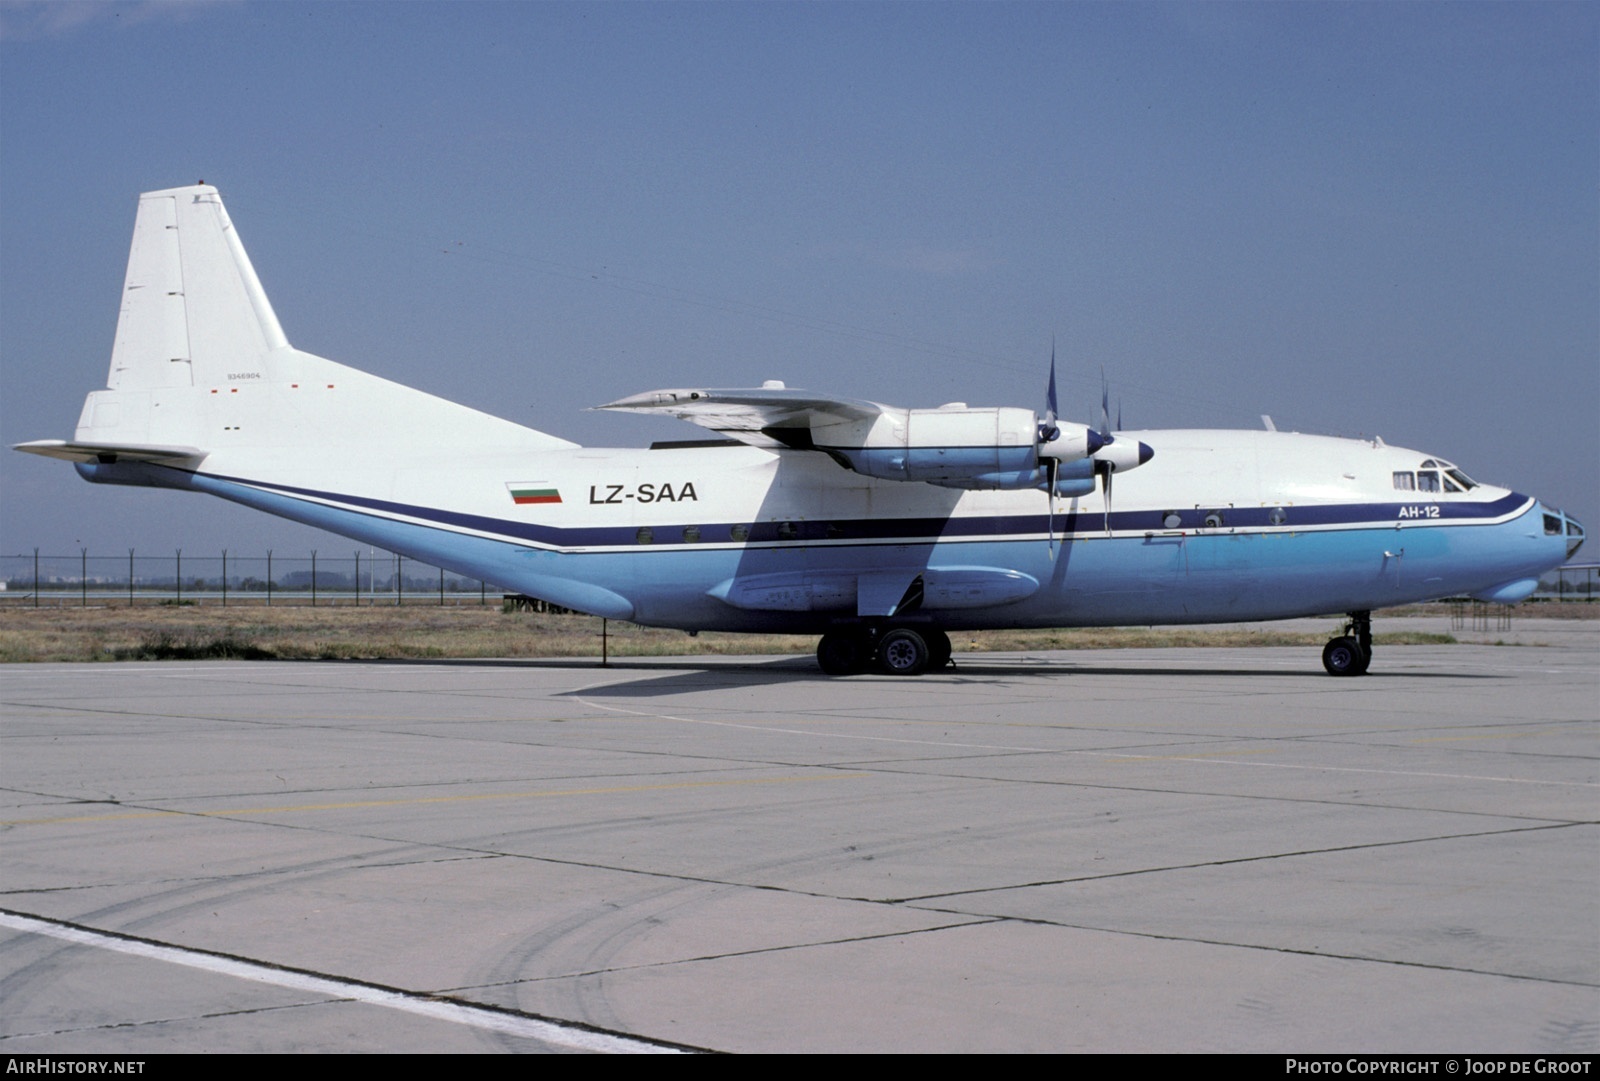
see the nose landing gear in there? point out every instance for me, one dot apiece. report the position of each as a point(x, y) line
point(1350, 653)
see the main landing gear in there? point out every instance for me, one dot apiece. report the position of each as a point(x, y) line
point(1351, 652)
point(896, 651)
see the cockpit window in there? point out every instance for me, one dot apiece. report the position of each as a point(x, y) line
point(1434, 476)
point(1552, 526)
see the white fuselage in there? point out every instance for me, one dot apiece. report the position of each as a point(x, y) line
point(1221, 525)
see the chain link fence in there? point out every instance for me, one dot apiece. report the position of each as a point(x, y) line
point(369, 576)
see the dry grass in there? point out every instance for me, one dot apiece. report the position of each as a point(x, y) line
point(185, 633)
point(258, 633)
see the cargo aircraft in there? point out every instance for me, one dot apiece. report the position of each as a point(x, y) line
point(879, 528)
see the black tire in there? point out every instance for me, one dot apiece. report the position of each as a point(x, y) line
point(841, 654)
point(903, 653)
point(939, 649)
point(1345, 657)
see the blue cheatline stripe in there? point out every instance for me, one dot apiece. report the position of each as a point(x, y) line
point(926, 530)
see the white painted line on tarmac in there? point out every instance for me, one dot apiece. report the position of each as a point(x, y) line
point(513, 1024)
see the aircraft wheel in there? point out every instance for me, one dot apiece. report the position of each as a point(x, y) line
point(903, 653)
point(1345, 657)
point(939, 649)
point(841, 654)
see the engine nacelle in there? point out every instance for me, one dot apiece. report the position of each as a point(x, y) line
point(1071, 442)
point(956, 447)
point(1123, 454)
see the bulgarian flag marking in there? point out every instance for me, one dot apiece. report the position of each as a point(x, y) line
point(535, 492)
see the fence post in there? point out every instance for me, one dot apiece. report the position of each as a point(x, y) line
point(399, 582)
point(224, 578)
point(36, 577)
point(441, 587)
point(130, 577)
point(180, 576)
point(83, 578)
point(358, 578)
point(269, 577)
point(313, 577)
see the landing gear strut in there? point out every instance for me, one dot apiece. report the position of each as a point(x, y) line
point(1351, 653)
point(897, 651)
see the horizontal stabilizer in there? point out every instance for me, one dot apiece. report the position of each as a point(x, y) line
point(106, 453)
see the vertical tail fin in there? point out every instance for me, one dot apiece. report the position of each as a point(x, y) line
point(200, 365)
point(193, 310)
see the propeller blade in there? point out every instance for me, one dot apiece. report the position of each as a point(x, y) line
point(1050, 504)
point(1047, 432)
point(1109, 474)
point(1047, 427)
point(1105, 404)
point(1050, 392)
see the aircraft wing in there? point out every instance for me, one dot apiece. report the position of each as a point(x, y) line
point(954, 445)
point(765, 417)
point(110, 452)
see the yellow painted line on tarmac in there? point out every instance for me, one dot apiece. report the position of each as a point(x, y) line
point(421, 800)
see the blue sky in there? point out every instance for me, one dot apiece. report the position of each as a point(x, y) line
point(1359, 218)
